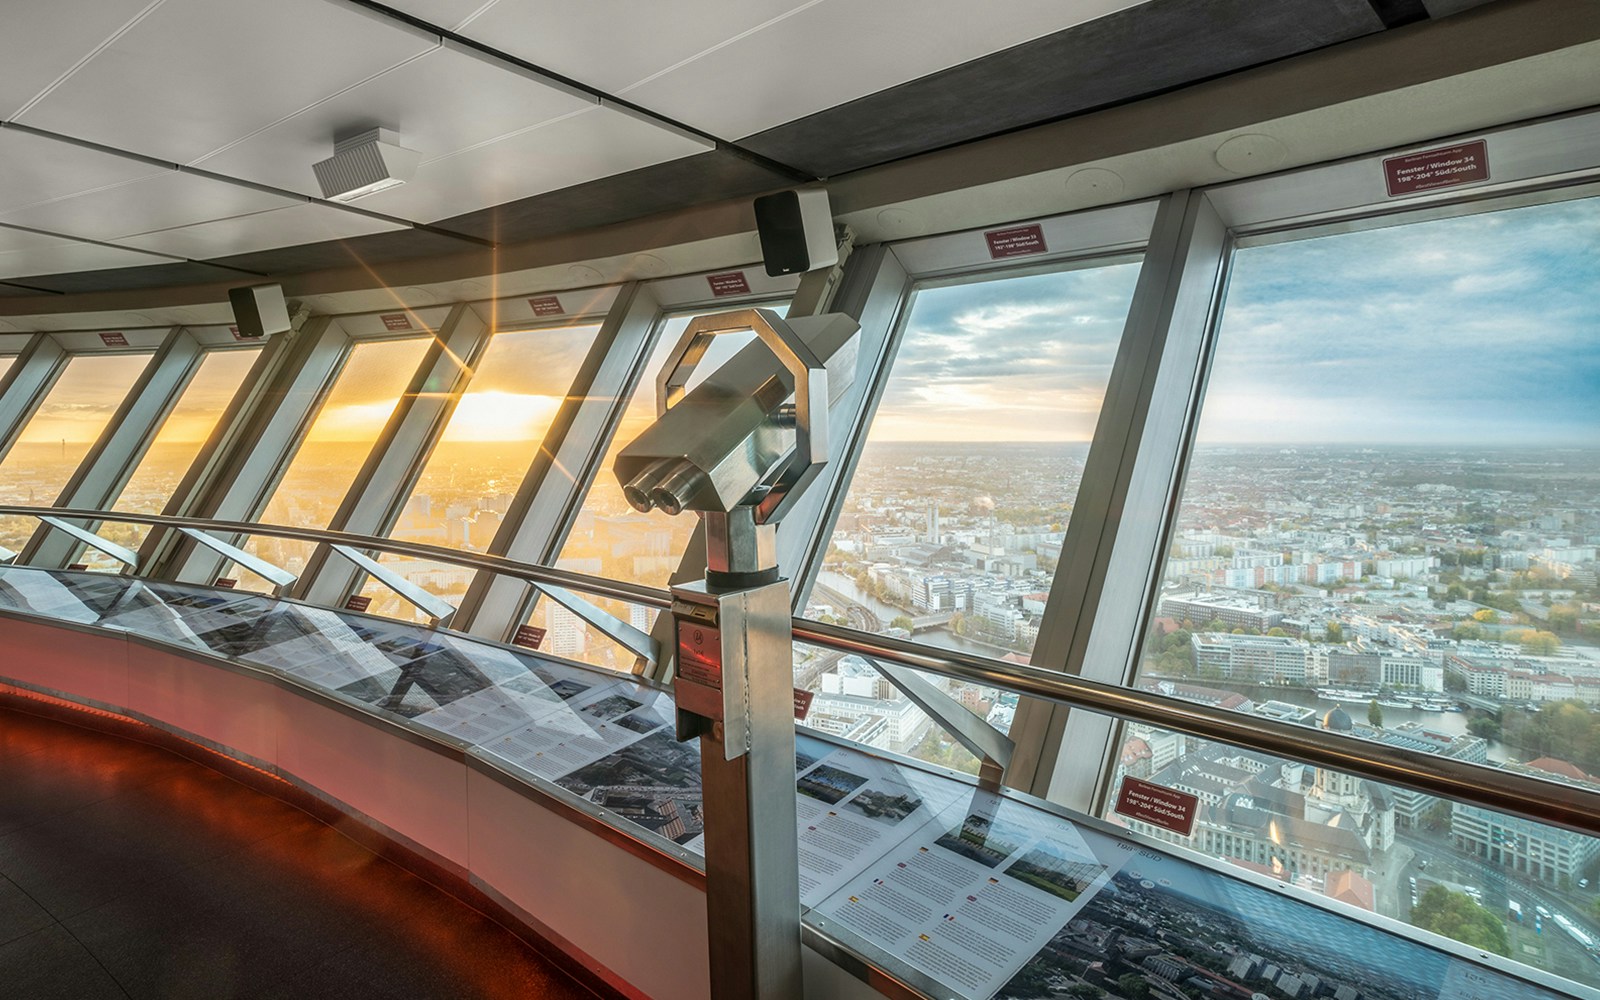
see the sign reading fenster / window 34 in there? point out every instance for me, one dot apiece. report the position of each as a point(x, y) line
point(1437, 168)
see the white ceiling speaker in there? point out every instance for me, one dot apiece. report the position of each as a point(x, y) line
point(365, 163)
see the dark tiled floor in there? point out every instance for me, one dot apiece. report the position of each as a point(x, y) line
point(127, 873)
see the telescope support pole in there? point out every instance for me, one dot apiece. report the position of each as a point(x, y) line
point(735, 692)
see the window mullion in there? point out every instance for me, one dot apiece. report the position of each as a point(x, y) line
point(381, 488)
point(541, 513)
point(1117, 520)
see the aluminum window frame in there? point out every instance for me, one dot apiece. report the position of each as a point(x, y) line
point(1547, 160)
point(546, 508)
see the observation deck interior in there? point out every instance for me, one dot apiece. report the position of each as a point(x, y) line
point(1197, 596)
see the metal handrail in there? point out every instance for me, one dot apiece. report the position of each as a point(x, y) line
point(1541, 800)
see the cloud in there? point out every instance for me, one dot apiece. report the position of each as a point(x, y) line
point(1476, 329)
point(1013, 359)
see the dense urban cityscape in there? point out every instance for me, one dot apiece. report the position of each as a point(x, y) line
point(1443, 600)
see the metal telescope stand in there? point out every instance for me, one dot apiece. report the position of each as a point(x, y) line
point(733, 451)
point(735, 692)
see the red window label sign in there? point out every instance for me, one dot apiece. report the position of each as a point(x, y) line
point(113, 340)
point(546, 305)
point(531, 636)
point(235, 331)
point(357, 603)
point(730, 283)
point(1018, 241)
point(1158, 805)
point(79, 566)
point(396, 321)
point(802, 704)
point(1437, 168)
point(225, 583)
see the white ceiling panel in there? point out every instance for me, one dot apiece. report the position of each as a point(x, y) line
point(283, 227)
point(614, 44)
point(23, 254)
point(587, 146)
point(839, 50)
point(442, 103)
point(162, 201)
point(195, 75)
point(34, 170)
point(448, 14)
point(43, 39)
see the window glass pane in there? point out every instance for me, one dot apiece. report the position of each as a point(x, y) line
point(185, 430)
point(610, 538)
point(351, 418)
point(468, 482)
point(613, 540)
point(173, 449)
point(953, 522)
point(1389, 530)
point(62, 430)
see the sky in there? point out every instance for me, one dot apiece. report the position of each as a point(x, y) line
point(1478, 330)
point(1018, 359)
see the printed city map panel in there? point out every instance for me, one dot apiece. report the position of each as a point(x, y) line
point(76, 597)
point(653, 783)
point(851, 809)
point(1162, 923)
point(974, 894)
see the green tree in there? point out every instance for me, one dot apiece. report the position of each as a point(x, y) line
point(901, 621)
point(1455, 915)
point(1540, 643)
point(1486, 726)
point(1335, 632)
point(1375, 713)
point(1133, 986)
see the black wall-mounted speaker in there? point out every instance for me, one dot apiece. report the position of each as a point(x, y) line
point(259, 311)
point(796, 229)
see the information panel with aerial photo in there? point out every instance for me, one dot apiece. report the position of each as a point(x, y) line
point(973, 893)
point(988, 895)
point(1166, 927)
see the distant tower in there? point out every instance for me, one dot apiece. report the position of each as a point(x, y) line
point(933, 524)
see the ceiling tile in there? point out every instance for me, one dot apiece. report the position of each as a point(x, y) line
point(43, 39)
point(614, 44)
point(163, 201)
point(765, 79)
point(35, 170)
point(195, 75)
point(263, 231)
point(22, 254)
point(447, 14)
point(589, 145)
point(439, 104)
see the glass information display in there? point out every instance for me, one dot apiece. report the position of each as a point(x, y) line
point(985, 896)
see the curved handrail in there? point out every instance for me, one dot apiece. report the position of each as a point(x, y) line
point(1540, 800)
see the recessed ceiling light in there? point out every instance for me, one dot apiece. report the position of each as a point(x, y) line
point(365, 163)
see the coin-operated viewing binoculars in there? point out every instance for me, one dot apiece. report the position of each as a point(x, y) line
point(737, 452)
